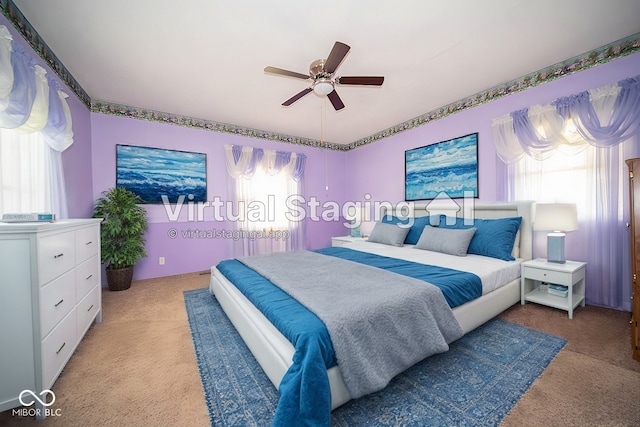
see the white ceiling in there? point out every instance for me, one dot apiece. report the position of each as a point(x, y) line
point(205, 58)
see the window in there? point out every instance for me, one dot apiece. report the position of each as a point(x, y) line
point(24, 172)
point(563, 178)
point(265, 198)
point(583, 139)
point(262, 213)
point(260, 184)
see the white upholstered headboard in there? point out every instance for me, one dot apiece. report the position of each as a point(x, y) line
point(474, 209)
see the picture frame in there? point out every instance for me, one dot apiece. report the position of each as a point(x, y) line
point(447, 168)
point(155, 172)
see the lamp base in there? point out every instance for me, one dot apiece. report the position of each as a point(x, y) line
point(355, 231)
point(555, 248)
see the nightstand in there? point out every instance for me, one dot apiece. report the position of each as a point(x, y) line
point(343, 240)
point(539, 271)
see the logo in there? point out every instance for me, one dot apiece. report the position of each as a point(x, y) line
point(28, 398)
point(42, 401)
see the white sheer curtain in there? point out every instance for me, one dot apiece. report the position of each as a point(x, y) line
point(31, 177)
point(568, 151)
point(35, 127)
point(260, 184)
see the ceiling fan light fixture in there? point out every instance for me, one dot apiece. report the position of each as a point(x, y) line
point(323, 79)
point(323, 87)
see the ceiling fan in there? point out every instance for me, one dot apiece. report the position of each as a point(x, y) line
point(322, 75)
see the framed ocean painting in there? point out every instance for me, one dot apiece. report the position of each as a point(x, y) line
point(449, 167)
point(155, 172)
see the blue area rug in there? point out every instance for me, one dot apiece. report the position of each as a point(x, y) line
point(475, 383)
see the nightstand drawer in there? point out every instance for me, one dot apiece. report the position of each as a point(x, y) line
point(345, 240)
point(338, 242)
point(555, 277)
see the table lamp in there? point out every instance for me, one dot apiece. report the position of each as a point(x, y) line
point(556, 218)
point(354, 214)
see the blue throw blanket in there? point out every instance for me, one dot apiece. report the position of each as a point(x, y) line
point(458, 287)
point(304, 389)
point(305, 393)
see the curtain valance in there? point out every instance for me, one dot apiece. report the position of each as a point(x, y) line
point(243, 161)
point(31, 101)
point(602, 117)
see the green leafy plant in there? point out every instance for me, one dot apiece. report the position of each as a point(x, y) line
point(122, 229)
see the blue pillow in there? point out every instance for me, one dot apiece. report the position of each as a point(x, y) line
point(493, 238)
point(414, 231)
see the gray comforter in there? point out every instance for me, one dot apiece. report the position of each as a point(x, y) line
point(380, 323)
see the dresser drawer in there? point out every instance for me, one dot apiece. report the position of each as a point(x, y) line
point(87, 243)
point(57, 299)
point(57, 347)
point(87, 309)
point(56, 254)
point(87, 276)
point(554, 277)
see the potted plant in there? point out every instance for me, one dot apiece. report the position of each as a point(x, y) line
point(121, 234)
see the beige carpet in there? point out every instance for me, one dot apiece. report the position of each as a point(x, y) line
point(138, 367)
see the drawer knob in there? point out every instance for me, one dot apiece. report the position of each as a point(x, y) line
point(89, 277)
point(58, 256)
point(59, 302)
point(89, 242)
point(89, 309)
point(61, 347)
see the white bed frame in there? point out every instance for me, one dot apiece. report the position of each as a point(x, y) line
point(274, 352)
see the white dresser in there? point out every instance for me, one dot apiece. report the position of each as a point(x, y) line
point(50, 294)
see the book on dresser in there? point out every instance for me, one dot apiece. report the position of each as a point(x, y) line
point(50, 295)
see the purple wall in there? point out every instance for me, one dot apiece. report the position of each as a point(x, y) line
point(77, 162)
point(77, 158)
point(183, 255)
point(376, 169)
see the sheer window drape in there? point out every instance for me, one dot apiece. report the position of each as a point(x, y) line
point(261, 183)
point(30, 179)
point(33, 113)
point(573, 150)
point(602, 117)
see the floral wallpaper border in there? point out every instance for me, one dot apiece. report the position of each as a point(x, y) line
point(37, 43)
point(582, 62)
point(105, 107)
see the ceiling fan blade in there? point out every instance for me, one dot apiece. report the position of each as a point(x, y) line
point(282, 72)
point(335, 100)
point(360, 80)
point(336, 56)
point(297, 96)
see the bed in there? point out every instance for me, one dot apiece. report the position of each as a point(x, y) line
point(500, 290)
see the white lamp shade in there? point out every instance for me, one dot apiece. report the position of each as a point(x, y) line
point(366, 228)
point(556, 217)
